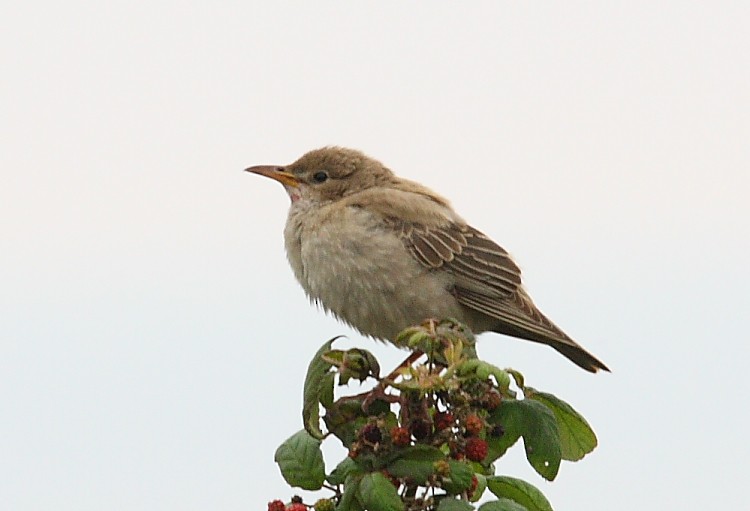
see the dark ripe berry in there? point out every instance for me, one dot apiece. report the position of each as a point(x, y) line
point(400, 436)
point(444, 420)
point(474, 425)
point(371, 433)
point(296, 499)
point(497, 431)
point(276, 505)
point(420, 428)
point(476, 449)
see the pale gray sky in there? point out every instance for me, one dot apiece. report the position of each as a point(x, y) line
point(154, 341)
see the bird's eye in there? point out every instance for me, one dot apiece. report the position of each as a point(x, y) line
point(320, 177)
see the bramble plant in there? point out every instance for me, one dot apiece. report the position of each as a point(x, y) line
point(428, 435)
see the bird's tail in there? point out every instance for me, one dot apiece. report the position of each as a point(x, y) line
point(518, 317)
point(544, 331)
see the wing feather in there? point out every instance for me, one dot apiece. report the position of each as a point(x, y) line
point(488, 281)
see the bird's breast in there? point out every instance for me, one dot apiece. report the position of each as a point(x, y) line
point(350, 262)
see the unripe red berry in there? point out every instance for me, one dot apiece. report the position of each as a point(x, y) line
point(472, 488)
point(354, 451)
point(297, 506)
point(476, 449)
point(492, 400)
point(473, 424)
point(400, 436)
point(276, 505)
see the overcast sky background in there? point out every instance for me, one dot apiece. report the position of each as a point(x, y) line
point(154, 341)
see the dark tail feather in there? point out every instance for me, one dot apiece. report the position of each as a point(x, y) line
point(563, 344)
point(579, 356)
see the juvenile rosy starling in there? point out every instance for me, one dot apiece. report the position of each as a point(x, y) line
point(383, 253)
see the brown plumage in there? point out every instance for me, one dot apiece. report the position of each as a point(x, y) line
point(383, 253)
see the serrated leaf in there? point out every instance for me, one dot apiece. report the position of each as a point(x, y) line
point(376, 493)
point(416, 463)
point(577, 439)
point(301, 461)
point(518, 491)
point(537, 425)
point(343, 470)
point(451, 504)
point(502, 505)
point(316, 389)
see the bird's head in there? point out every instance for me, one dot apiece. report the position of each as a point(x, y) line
point(327, 174)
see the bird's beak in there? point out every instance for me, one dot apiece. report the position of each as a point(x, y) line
point(275, 172)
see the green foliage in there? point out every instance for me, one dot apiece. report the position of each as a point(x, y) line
point(427, 437)
point(301, 461)
point(376, 493)
point(538, 426)
point(318, 389)
point(577, 439)
point(518, 491)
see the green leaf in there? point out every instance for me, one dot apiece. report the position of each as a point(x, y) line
point(316, 389)
point(541, 438)
point(344, 417)
point(416, 463)
point(461, 474)
point(451, 504)
point(349, 500)
point(509, 417)
point(576, 436)
point(377, 493)
point(326, 390)
point(518, 491)
point(301, 461)
point(502, 505)
point(353, 363)
point(481, 486)
point(484, 370)
point(343, 470)
point(538, 426)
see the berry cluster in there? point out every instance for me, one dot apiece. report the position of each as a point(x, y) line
point(424, 431)
point(297, 504)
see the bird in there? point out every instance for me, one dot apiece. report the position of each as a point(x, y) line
point(382, 253)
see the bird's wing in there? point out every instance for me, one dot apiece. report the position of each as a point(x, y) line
point(486, 278)
point(487, 281)
point(479, 265)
